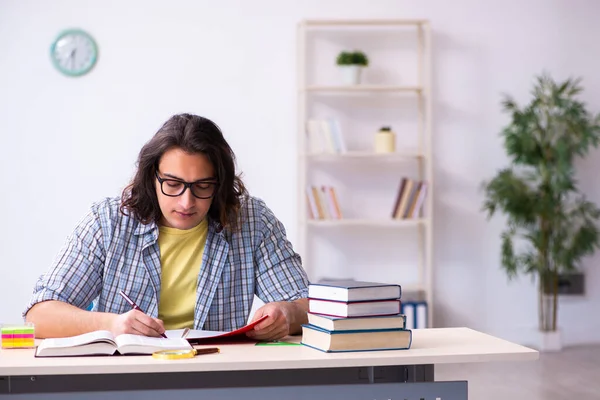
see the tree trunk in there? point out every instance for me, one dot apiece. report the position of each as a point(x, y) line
point(548, 301)
point(548, 290)
point(543, 311)
point(554, 299)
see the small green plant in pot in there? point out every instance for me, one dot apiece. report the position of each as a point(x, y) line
point(551, 225)
point(351, 64)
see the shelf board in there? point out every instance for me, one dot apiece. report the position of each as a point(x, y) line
point(413, 287)
point(366, 222)
point(363, 88)
point(364, 22)
point(364, 155)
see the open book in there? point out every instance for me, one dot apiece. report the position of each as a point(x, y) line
point(202, 336)
point(105, 343)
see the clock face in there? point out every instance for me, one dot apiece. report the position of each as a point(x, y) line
point(74, 52)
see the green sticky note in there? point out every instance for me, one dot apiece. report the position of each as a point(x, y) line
point(277, 343)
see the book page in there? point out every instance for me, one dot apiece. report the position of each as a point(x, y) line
point(146, 342)
point(194, 334)
point(202, 334)
point(80, 340)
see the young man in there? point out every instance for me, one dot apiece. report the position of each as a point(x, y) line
point(185, 242)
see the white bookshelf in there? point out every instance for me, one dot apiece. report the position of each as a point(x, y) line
point(348, 222)
point(364, 156)
point(362, 88)
point(373, 94)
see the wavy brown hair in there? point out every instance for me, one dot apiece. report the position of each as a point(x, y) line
point(193, 134)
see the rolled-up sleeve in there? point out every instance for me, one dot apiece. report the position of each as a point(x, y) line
point(75, 276)
point(280, 275)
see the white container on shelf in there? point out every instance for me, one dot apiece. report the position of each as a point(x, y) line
point(385, 141)
point(350, 74)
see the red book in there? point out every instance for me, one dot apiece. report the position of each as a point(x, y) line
point(204, 337)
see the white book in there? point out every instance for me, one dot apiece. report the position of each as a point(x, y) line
point(316, 143)
point(105, 343)
point(421, 316)
point(351, 290)
point(409, 311)
point(355, 309)
point(337, 133)
point(330, 144)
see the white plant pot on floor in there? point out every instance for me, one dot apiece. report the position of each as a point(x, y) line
point(549, 341)
point(350, 74)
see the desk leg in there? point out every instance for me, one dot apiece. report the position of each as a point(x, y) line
point(421, 373)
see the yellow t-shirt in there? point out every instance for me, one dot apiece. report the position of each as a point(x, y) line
point(180, 256)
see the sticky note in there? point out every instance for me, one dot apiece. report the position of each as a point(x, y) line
point(17, 336)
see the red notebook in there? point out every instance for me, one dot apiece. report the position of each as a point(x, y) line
point(206, 337)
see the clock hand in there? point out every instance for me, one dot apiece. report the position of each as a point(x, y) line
point(73, 52)
point(70, 57)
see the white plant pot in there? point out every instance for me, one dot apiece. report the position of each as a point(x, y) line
point(350, 74)
point(549, 341)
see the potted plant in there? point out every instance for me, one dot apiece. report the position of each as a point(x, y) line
point(551, 225)
point(351, 64)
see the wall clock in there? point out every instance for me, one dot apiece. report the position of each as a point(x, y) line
point(74, 52)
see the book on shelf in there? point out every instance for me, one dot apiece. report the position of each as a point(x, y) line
point(352, 290)
point(324, 136)
point(322, 202)
point(105, 343)
point(356, 340)
point(409, 199)
point(416, 314)
point(329, 323)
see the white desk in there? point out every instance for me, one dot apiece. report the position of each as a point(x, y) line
point(298, 370)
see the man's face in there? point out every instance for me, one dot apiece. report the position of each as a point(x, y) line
point(185, 211)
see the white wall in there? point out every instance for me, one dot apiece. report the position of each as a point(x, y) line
point(67, 142)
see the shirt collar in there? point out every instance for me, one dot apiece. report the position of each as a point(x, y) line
point(152, 227)
point(142, 229)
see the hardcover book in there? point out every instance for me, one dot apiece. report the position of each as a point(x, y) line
point(350, 290)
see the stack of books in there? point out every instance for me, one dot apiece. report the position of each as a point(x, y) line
point(355, 316)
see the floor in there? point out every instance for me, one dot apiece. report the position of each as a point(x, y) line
point(573, 373)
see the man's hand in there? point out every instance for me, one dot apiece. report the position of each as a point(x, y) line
point(284, 318)
point(54, 319)
point(137, 323)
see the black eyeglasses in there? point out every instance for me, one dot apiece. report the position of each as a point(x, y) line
point(202, 189)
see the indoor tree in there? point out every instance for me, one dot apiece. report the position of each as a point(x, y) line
point(551, 225)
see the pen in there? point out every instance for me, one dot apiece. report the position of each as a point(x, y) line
point(135, 306)
point(208, 350)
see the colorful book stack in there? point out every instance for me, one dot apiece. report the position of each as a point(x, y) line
point(353, 315)
point(17, 336)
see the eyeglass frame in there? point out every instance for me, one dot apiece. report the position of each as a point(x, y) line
point(187, 185)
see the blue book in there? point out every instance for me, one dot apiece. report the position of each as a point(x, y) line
point(350, 290)
point(358, 340)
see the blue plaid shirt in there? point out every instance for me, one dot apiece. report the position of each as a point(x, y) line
point(109, 251)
